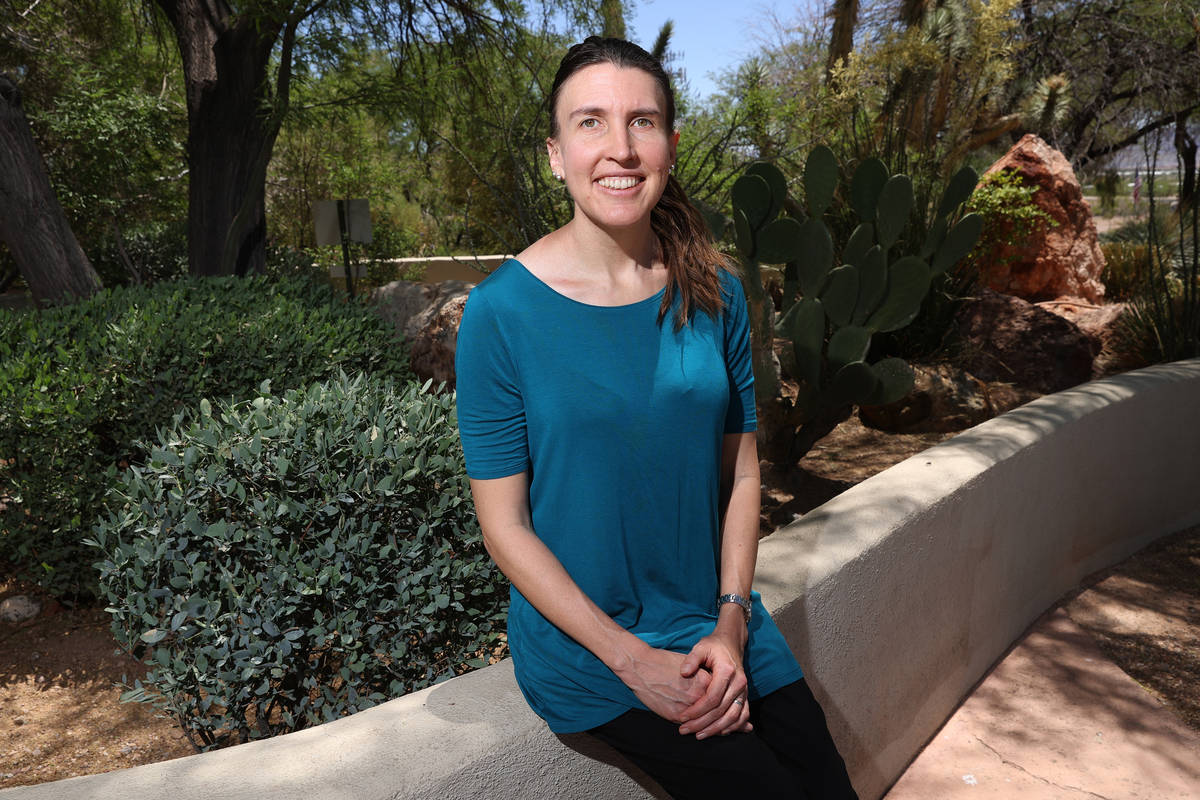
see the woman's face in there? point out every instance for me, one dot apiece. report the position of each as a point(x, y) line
point(613, 147)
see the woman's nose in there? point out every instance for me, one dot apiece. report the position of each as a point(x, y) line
point(621, 147)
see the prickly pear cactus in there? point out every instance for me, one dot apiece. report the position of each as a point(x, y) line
point(834, 303)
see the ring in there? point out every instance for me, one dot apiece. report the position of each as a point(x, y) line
point(739, 702)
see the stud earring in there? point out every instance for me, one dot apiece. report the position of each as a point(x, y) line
point(557, 177)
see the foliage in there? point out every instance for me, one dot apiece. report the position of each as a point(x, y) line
point(1108, 186)
point(1165, 316)
point(835, 303)
point(297, 558)
point(80, 384)
point(1131, 65)
point(1127, 268)
point(1004, 201)
point(105, 105)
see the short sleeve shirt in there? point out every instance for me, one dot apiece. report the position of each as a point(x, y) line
point(619, 421)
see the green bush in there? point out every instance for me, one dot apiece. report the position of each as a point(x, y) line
point(290, 560)
point(79, 384)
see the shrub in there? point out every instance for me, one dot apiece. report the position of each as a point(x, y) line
point(1127, 266)
point(79, 384)
point(294, 559)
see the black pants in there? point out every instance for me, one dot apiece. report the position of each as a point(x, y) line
point(789, 754)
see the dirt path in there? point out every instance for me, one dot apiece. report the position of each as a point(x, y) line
point(60, 715)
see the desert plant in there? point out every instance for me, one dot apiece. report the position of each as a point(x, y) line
point(80, 384)
point(293, 559)
point(834, 303)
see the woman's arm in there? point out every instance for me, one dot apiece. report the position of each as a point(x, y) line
point(721, 651)
point(655, 676)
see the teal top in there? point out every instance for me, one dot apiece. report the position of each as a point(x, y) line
point(619, 421)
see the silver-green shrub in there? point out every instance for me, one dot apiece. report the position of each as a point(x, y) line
point(297, 558)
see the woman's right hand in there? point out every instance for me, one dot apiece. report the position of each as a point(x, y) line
point(654, 677)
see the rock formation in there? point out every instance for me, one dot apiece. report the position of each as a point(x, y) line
point(428, 315)
point(1056, 260)
point(1007, 339)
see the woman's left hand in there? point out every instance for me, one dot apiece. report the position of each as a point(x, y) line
point(718, 711)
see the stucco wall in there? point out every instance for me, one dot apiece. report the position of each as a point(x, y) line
point(897, 596)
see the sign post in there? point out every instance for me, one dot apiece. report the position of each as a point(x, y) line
point(341, 222)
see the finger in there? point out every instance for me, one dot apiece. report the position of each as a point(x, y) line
point(715, 696)
point(690, 664)
point(710, 722)
point(742, 724)
point(727, 682)
point(725, 723)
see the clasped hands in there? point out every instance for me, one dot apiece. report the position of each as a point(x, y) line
point(699, 691)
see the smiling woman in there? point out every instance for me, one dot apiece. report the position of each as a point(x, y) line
point(614, 468)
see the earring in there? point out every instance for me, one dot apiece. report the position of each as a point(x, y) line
point(672, 169)
point(557, 177)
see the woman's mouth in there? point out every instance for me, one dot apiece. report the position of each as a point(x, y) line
point(622, 182)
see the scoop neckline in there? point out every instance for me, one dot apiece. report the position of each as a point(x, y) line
point(656, 296)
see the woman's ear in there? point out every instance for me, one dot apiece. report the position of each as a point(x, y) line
point(555, 157)
point(674, 146)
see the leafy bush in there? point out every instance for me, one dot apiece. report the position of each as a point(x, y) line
point(291, 560)
point(1010, 214)
point(79, 384)
point(1127, 266)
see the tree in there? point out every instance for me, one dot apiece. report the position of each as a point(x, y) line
point(32, 222)
point(238, 61)
point(1131, 66)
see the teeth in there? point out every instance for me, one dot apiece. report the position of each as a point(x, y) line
point(619, 183)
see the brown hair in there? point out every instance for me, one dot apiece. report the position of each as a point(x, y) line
point(693, 262)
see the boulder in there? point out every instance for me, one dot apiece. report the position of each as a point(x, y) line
point(428, 315)
point(19, 608)
point(944, 398)
point(1054, 261)
point(1009, 340)
point(1103, 324)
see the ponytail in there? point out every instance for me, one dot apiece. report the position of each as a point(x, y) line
point(693, 261)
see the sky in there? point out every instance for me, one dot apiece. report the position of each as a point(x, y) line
point(711, 35)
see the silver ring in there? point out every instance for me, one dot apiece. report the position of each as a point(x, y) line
point(739, 702)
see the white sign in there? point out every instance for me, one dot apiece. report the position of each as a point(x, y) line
point(358, 221)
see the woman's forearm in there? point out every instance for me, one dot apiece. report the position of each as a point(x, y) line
point(742, 501)
point(539, 575)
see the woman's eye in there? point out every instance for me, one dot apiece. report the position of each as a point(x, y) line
point(590, 122)
point(642, 122)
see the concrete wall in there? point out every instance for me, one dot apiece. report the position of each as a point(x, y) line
point(897, 596)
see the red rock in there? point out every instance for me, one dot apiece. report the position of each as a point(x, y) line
point(1054, 261)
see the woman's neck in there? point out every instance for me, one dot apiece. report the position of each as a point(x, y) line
point(612, 254)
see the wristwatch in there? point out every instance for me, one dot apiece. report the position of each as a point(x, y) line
point(739, 600)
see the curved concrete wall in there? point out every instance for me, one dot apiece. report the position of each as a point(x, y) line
point(897, 596)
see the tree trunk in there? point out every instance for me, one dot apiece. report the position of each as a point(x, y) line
point(32, 222)
point(233, 120)
point(1186, 147)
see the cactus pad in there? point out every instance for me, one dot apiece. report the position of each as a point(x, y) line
point(840, 294)
point(872, 284)
point(865, 186)
point(895, 203)
point(908, 283)
point(895, 381)
point(820, 179)
point(958, 191)
point(959, 241)
point(775, 180)
point(780, 241)
point(853, 383)
point(752, 196)
point(848, 344)
point(859, 243)
point(804, 324)
point(816, 247)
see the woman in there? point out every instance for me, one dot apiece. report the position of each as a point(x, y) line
point(606, 404)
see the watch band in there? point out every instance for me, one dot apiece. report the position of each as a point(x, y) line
point(736, 599)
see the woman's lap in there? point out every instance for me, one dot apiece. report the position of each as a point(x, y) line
point(788, 755)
